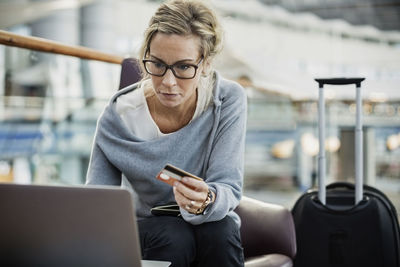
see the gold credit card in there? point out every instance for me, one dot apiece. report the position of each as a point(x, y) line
point(169, 174)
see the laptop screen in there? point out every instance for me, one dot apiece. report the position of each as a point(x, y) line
point(67, 226)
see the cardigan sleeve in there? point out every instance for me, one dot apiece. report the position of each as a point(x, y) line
point(224, 173)
point(101, 171)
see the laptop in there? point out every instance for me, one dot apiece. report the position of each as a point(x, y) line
point(43, 225)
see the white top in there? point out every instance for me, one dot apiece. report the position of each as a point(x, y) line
point(132, 108)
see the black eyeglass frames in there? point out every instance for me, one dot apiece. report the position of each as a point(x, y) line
point(180, 70)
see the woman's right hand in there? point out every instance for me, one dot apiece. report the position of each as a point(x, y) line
point(190, 194)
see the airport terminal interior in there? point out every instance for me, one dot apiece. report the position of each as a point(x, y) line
point(49, 102)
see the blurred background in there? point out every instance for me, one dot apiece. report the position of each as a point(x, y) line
point(49, 103)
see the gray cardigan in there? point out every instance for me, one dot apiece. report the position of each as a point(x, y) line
point(211, 147)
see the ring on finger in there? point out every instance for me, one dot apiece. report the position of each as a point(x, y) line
point(190, 205)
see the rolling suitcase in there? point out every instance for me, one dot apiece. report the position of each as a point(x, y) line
point(343, 224)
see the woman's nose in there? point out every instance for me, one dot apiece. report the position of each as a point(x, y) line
point(169, 78)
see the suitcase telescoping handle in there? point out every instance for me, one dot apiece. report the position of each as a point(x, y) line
point(358, 136)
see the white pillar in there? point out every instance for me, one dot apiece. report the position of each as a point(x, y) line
point(22, 171)
point(97, 26)
point(98, 32)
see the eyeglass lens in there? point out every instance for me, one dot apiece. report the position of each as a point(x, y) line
point(180, 70)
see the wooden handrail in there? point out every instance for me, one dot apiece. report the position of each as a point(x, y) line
point(44, 45)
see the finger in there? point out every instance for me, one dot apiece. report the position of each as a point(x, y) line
point(190, 193)
point(197, 185)
point(179, 197)
point(185, 201)
point(188, 204)
point(192, 205)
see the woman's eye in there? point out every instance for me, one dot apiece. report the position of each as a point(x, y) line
point(182, 67)
point(158, 65)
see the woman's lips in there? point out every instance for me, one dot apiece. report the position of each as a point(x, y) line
point(169, 95)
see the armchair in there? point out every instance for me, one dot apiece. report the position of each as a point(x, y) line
point(268, 235)
point(267, 230)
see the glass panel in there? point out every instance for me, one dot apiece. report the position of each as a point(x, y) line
point(49, 107)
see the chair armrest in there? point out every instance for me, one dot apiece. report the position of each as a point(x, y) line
point(266, 228)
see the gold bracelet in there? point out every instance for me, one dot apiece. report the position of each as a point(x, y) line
point(205, 203)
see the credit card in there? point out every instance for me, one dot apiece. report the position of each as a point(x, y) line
point(169, 174)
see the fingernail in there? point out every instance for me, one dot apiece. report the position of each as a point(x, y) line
point(176, 184)
point(185, 179)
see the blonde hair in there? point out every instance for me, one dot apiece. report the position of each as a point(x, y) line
point(185, 17)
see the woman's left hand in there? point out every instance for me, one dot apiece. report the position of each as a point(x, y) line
point(190, 194)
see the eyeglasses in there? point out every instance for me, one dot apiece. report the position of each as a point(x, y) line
point(180, 70)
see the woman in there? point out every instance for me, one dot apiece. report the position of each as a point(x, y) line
point(185, 114)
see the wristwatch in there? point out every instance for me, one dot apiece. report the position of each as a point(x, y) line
point(206, 202)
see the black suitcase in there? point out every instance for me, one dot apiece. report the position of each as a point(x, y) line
point(345, 224)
